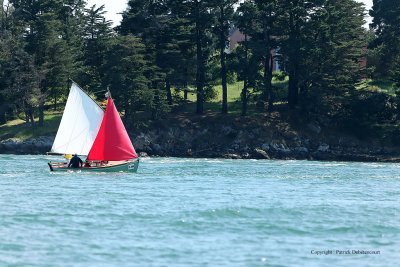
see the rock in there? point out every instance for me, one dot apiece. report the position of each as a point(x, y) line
point(232, 156)
point(261, 154)
point(314, 127)
point(265, 147)
point(229, 131)
point(38, 145)
point(280, 148)
point(302, 150)
point(142, 141)
point(246, 156)
point(323, 148)
point(143, 155)
point(156, 149)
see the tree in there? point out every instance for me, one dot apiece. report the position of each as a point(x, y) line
point(42, 27)
point(199, 16)
point(386, 24)
point(258, 20)
point(165, 36)
point(224, 13)
point(19, 78)
point(96, 35)
point(294, 17)
point(73, 18)
point(335, 42)
point(130, 77)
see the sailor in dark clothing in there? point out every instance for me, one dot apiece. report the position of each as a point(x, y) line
point(75, 162)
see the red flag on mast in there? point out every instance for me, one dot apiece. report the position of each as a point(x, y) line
point(112, 142)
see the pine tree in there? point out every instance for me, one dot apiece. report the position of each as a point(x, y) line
point(40, 21)
point(166, 37)
point(294, 15)
point(198, 14)
point(258, 20)
point(19, 78)
point(386, 24)
point(224, 10)
point(334, 44)
point(96, 35)
point(130, 77)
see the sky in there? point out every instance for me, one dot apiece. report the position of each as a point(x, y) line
point(115, 7)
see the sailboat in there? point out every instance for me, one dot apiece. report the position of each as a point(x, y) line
point(87, 130)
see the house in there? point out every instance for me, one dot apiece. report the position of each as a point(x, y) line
point(236, 36)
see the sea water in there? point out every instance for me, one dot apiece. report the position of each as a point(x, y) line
point(200, 212)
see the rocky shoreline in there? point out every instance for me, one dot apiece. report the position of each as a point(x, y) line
point(236, 140)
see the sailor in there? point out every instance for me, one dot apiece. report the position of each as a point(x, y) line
point(75, 162)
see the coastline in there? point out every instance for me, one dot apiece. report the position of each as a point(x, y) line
point(230, 144)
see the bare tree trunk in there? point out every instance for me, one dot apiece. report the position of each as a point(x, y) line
point(293, 93)
point(41, 114)
point(293, 90)
point(31, 117)
point(244, 96)
point(244, 93)
point(169, 93)
point(223, 63)
point(55, 99)
point(200, 63)
point(268, 82)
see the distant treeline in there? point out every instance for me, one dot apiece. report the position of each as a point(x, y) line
point(162, 47)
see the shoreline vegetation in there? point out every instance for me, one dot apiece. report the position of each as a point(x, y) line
point(281, 134)
point(228, 79)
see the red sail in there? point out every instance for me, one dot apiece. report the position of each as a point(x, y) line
point(112, 142)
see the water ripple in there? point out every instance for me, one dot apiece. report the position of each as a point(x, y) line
point(199, 212)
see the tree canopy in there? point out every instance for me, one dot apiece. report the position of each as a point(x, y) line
point(163, 50)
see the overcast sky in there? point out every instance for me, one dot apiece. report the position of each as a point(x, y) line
point(115, 7)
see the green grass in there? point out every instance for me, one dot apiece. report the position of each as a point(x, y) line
point(20, 130)
point(234, 91)
point(234, 99)
point(378, 85)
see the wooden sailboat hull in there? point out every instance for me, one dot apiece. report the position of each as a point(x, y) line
point(127, 166)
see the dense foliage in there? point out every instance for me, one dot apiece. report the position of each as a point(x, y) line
point(164, 48)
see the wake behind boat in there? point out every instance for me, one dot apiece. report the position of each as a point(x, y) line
point(86, 130)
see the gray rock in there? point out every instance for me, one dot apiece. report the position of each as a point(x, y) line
point(143, 155)
point(156, 148)
point(229, 131)
point(142, 141)
point(314, 127)
point(301, 150)
point(232, 156)
point(261, 154)
point(323, 148)
point(280, 148)
point(265, 147)
point(246, 155)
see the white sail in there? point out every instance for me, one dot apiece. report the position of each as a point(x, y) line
point(79, 125)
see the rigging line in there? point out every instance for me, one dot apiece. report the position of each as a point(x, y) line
point(87, 94)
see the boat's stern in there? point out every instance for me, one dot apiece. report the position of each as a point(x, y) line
point(133, 165)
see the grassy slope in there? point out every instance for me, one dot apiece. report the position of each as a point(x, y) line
point(18, 128)
point(384, 86)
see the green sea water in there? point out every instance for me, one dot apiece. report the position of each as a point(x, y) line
point(201, 212)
